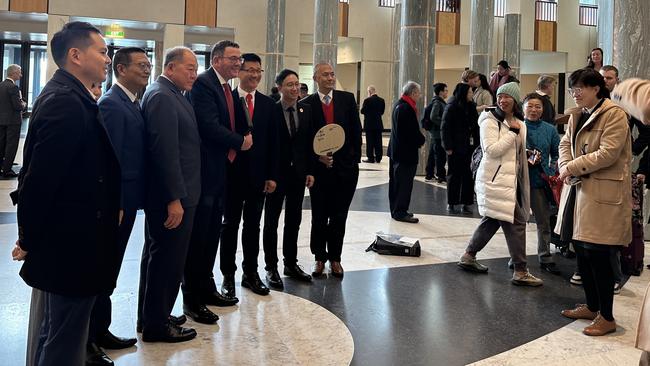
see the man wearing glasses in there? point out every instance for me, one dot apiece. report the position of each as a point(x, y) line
point(212, 99)
point(250, 176)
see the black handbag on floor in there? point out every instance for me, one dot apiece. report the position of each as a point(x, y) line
point(391, 244)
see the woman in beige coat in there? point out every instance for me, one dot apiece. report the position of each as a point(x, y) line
point(596, 205)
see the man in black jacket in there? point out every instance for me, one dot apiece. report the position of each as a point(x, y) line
point(335, 176)
point(403, 151)
point(296, 160)
point(372, 109)
point(68, 227)
point(433, 113)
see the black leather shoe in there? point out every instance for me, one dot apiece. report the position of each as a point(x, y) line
point(95, 356)
point(172, 334)
point(176, 320)
point(368, 160)
point(294, 271)
point(110, 341)
point(200, 314)
point(274, 280)
point(409, 214)
point(253, 282)
point(228, 286)
point(218, 299)
point(10, 174)
point(550, 268)
point(408, 219)
point(452, 209)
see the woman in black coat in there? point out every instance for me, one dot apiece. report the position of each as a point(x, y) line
point(457, 130)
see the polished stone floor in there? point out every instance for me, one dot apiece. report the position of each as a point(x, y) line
point(386, 311)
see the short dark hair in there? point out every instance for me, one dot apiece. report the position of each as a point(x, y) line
point(304, 87)
point(530, 96)
point(123, 57)
point(220, 47)
point(439, 88)
point(504, 64)
point(589, 77)
point(250, 57)
point(279, 78)
point(72, 35)
point(610, 68)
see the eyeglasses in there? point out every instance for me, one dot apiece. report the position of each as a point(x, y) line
point(144, 66)
point(574, 92)
point(234, 59)
point(253, 71)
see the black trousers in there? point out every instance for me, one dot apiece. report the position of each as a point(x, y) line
point(198, 276)
point(243, 198)
point(436, 160)
point(400, 186)
point(331, 196)
point(161, 267)
point(9, 139)
point(100, 319)
point(460, 185)
point(374, 150)
point(290, 191)
point(597, 276)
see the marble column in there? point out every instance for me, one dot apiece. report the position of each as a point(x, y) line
point(631, 53)
point(54, 24)
point(397, 22)
point(417, 53)
point(275, 19)
point(481, 29)
point(326, 27)
point(512, 36)
point(173, 35)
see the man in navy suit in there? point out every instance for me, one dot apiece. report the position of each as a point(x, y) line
point(335, 176)
point(68, 228)
point(213, 103)
point(173, 190)
point(250, 175)
point(125, 126)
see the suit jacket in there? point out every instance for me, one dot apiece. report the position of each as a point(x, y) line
point(296, 151)
point(209, 102)
point(346, 114)
point(10, 103)
point(173, 147)
point(68, 194)
point(405, 135)
point(261, 159)
point(125, 125)
point(372, 109)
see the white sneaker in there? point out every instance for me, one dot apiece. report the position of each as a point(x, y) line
point(617, 288)
point(576, 279)
point(524, 278)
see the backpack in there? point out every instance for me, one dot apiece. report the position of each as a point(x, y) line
point(477, 156)
point(426, 122)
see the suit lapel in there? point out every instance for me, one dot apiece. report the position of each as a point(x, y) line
point(338, 108)
point(125, 98)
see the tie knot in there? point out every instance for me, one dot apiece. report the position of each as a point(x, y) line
point(327, 99)
point(290, 109)
point(226, 86)
point(249, 97)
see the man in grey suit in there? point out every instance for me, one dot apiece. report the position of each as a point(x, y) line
point(11, 107)
point(173, 190)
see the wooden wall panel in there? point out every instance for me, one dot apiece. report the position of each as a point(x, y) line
point(201, 12)
point(344, 16)
point(545, 36)
point(447, 28)
point(28, 6)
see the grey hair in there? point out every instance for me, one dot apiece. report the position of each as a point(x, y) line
point(12, 69)
point(371, 88)
point(410, 87)
point(319, 65)
point(175, 54)
point(544, 81)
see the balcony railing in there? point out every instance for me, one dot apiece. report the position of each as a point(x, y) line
point(448, 6)
point(386, 3)
point(499, 8)
point(546, 11)
point(588, 15)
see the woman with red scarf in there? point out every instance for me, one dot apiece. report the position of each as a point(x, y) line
point(405, 141)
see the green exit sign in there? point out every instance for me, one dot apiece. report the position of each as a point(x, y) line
point(115, 34)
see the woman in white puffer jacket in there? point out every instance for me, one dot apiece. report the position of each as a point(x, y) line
point(502, 187)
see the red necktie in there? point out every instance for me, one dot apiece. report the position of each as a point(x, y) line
point(231, 112)
point(249, 103)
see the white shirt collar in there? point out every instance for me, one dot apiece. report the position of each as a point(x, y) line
point(12, 80)
point(128, 93)
point(242, 93)
point(321, 95)
point(221, 79)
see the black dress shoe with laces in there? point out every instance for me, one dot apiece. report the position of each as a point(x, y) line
point(294, 271)
point(95, 356)
point(176, 320)
point(228, 286)
point(253, 282)
point(274, 280)
point(109, 341)
point(171, 334)
point(550, 268)
point(218, 299)
point(200, 314)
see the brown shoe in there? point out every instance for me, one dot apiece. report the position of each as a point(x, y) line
point(336, 269)
point(600, 326)
point(318, 269)
point(581, 311)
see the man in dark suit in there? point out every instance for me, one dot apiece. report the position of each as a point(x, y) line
point(123, 120)
point(250, 175)
point(372, 109)
point(68, 227)
point(296, 159)
point(173, 190)
point(213, 104)
point(11, 107)
point(405, 141)
point(335, 176)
